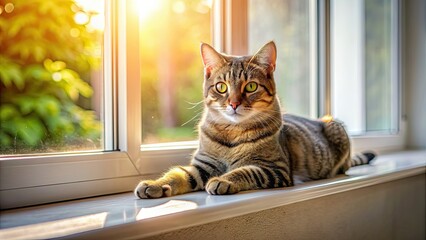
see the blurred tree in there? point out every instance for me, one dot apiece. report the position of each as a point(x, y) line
point(44, 55)
point(171, 68)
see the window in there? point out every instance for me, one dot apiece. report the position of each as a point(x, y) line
point(51, 81)
point(148, 84)
point(364, 65)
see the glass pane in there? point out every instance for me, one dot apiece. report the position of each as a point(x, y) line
point(171, 67)
point(288, 24)
point(50, 76)
point(378, 64)
point(364, 64)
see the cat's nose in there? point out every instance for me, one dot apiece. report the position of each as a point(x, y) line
point(234, 105)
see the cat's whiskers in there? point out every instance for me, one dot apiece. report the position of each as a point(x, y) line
point(194, 105)
point(197, 115)
point(197, 111)
point(218, 117)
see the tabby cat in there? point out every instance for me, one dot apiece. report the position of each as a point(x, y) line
point(244, 140)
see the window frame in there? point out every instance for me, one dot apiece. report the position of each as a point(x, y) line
point(50, 178)
point(59, 177)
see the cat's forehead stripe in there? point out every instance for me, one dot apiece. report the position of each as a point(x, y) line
point(241, 72)
point(240, 69)
point(252, 66)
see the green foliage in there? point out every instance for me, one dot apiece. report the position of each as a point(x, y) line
point(41, 71)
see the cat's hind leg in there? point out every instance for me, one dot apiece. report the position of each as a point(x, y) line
point(339, 143)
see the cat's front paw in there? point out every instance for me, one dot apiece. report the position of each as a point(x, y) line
point(219, 186)
point(150, 189)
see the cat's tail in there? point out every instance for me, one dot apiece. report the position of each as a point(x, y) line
point(362, 158)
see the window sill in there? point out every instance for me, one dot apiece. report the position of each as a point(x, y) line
point(124, 216)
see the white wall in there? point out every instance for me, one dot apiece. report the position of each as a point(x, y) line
point(392, 210)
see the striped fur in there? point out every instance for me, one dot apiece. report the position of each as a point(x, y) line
point(244, 140)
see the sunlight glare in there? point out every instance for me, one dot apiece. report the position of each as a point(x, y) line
point(97, 22)
point(179, 7)
point(81, 18)
point(55, 229)
point(96, 9)
point(172, 206)
point(147, 7)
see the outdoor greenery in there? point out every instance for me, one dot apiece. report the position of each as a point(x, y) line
point(46, 62)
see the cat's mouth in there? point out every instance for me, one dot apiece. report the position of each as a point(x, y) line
point(234, 112)
point(236, 115)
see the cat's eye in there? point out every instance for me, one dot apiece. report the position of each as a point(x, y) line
point(221, 87)
point(251, 87)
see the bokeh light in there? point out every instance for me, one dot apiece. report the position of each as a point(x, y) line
point(93, 10)
point(9, 7)
point(81, 18)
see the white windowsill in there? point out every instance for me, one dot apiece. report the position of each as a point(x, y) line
point(124, 216)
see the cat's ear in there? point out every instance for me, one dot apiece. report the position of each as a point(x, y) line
point(211, 58)
point(267, 55)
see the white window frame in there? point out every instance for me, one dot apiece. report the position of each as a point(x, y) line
point(41, 179)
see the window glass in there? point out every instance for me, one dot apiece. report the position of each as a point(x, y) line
point(50, 76)
point(171, 67)
point(364, 66)
point(379, 68)
point(288, 24)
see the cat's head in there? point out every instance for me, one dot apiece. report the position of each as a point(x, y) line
point(237, 88)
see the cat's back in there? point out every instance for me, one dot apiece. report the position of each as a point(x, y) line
point(302, 136)
point(293, 124)
point(316, 148)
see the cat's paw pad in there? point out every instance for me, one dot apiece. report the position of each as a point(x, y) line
point(148, 189)
point(218, 186)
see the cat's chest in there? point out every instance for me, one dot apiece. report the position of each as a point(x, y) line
point(231, 136)
point(228, 153)
point(262, 148)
